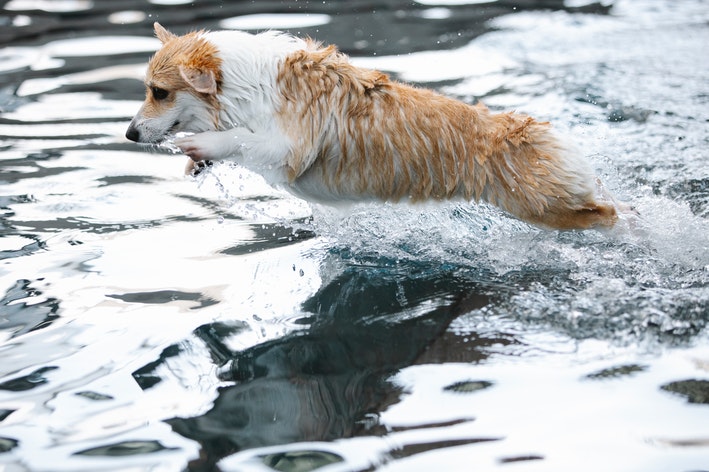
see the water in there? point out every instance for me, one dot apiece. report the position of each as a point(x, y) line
point(152, 321)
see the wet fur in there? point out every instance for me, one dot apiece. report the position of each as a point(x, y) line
point(306, 118)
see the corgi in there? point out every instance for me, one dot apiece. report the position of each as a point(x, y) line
point(305, 118)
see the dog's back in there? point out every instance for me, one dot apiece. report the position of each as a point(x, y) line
point(368, 137)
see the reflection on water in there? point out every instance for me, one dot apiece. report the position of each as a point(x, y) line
point(332, 381)
point(154, 322)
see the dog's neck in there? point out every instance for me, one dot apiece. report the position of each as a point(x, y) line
point(250, 65)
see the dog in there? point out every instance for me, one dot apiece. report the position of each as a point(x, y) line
point(305, 118)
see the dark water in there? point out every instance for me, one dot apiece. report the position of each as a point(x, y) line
point(150, 321)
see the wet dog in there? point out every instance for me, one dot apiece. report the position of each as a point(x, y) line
point(307, 119)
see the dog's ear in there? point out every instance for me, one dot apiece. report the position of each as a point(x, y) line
point(163, 34)
point(203, 81)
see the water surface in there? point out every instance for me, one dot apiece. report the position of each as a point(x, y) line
point(150, 321)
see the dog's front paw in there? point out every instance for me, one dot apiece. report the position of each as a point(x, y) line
point(194, 168)
point(202, 146)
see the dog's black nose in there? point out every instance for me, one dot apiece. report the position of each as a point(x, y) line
point(133, 134)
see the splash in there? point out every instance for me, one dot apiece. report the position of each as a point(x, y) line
point(648, 280)
point(169, 142)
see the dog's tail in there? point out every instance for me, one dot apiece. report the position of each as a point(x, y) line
point(541, 178)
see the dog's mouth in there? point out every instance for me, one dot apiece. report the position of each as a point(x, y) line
point(167, 140)
point(172, 129)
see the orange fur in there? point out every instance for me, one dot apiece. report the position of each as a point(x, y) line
point(357, 130)
point(173, 68)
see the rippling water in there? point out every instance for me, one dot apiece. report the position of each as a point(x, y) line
point(150, 321)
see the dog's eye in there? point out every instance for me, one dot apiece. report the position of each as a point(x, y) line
point(159, 93)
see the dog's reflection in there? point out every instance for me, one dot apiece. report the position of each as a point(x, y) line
point(332, 380)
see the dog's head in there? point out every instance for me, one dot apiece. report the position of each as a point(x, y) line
point(182, 83)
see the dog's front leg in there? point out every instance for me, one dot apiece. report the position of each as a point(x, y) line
point(262, 152)
point(213, 145)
